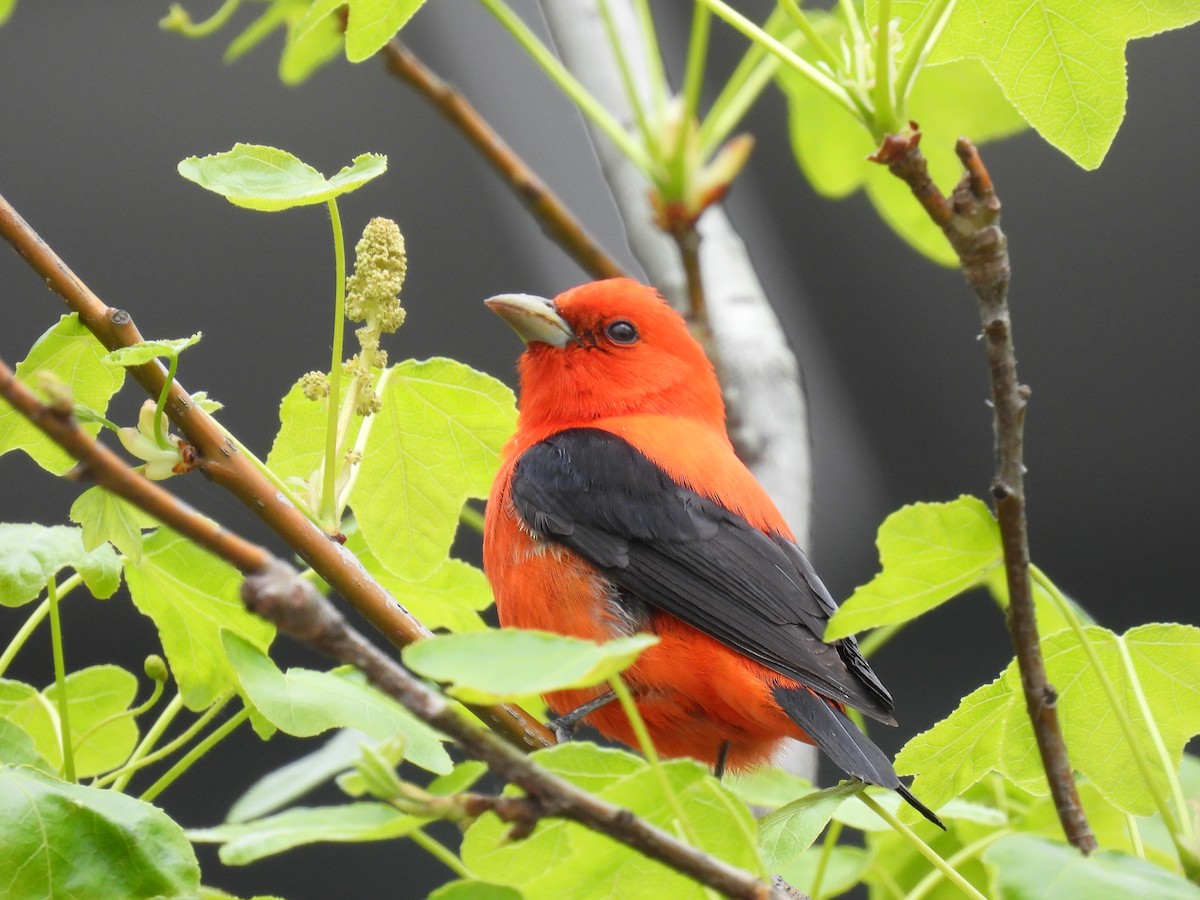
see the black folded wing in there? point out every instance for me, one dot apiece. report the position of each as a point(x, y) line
point(686, 555)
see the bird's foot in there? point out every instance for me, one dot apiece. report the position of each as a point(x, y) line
point(564, 726)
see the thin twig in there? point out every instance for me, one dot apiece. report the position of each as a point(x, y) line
point(219, 460)
point(970, 219)
point(550, 212)
point(301, 612)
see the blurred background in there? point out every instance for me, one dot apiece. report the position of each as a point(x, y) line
point(97, 106)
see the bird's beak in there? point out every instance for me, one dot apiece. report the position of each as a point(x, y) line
point(532, 318)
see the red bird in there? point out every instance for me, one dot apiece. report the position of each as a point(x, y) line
point(621, 507)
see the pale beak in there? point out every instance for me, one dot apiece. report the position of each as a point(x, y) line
point(534, 319)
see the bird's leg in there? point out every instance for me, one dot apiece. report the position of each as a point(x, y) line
point(564, 726)
point(722, 755)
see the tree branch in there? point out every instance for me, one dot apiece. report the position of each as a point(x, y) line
point(970, 219)
point(221, 462)
point(299, 611)
point(547, 209)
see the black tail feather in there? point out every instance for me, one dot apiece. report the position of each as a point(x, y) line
point(847, 747)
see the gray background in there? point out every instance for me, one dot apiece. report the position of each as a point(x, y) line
point(97, 105)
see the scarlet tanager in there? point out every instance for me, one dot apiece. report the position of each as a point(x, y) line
point(621, 507)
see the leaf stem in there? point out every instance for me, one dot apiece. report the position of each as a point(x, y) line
point(329, 514)
point(775, 47)
point(471, 517)
point(802, 23)
point(654, 57)
point(60, 682)
point(440, 852)
point(121, 777)
point(140, 709)
point(160, 433)
point(927, 884)
point(874, 641)
point(693, 80)
point(195, 754)
point(649, 135)
point(638, 724)
point(832, 833)
point(933, 23)
point(885, 101)
point(35, 619)
point(177, 20)
point(951, 874)
point(1135, 835)
point(568, 84)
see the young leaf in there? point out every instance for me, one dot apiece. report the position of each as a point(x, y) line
point(104, 516)
point(305, 702)
point(435, 443)
point(269, 180)
point(192, 595)
point(498, 666)
point(369, 23)
point(244, 842)
point(788, 832)
point(1061, 64)
point(17, 747)
point(306, 52)
point(930, 553)
point(767, 786)
point(299, 445)
point(87, 842)
point(144, 351)
point(289, 782)
point(947, 101)
point(69, 352)
point(30, 555)
point(1025, 866)
point(475, 890)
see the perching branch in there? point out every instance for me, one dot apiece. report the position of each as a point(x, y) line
point(550, 212)
point(970, 219)
point(221, 462)
point(301, 612)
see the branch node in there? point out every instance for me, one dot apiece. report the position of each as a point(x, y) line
point(119, 317)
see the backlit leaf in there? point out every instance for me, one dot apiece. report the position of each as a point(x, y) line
point(192, 595)
point(104, 516)
point(269, 180)
point(69, 353)
point(498, 666)
point(31, 555)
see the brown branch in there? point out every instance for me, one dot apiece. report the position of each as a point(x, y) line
point(550, 212)
point(970, 219)
point(105, 468)
point(301, 612)
point(220, 461)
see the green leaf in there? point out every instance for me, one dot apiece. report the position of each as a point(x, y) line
point(31, 555)
point(305, 702)
point(269, 180)
point(844, 869)
point(435, 443)
point(63, 840)
point(289, 782)
point(144, 351)
point(70, 353)
point(450, 598)
point(104, 516)
point(245, 842)
point(307, 51)
point(498, 666)
point(475, 890)
point(1060, 62)
point(562, 859)
point(98, 700)
point(767, 786)
point(276, 14)
point(959, 750)
point(990, 730)
point(299, 445)
point(930, 553)
point(788, 832)
point(6, 9)
point(369, 24)
point(17, 747)
point(192, 595)
point(947, 101)
point(1026, 867)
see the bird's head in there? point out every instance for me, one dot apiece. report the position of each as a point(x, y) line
point(608, 348)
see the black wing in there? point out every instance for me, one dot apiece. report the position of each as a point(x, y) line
point(686, 555)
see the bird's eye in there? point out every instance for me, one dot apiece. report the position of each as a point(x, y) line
point(621, 332)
